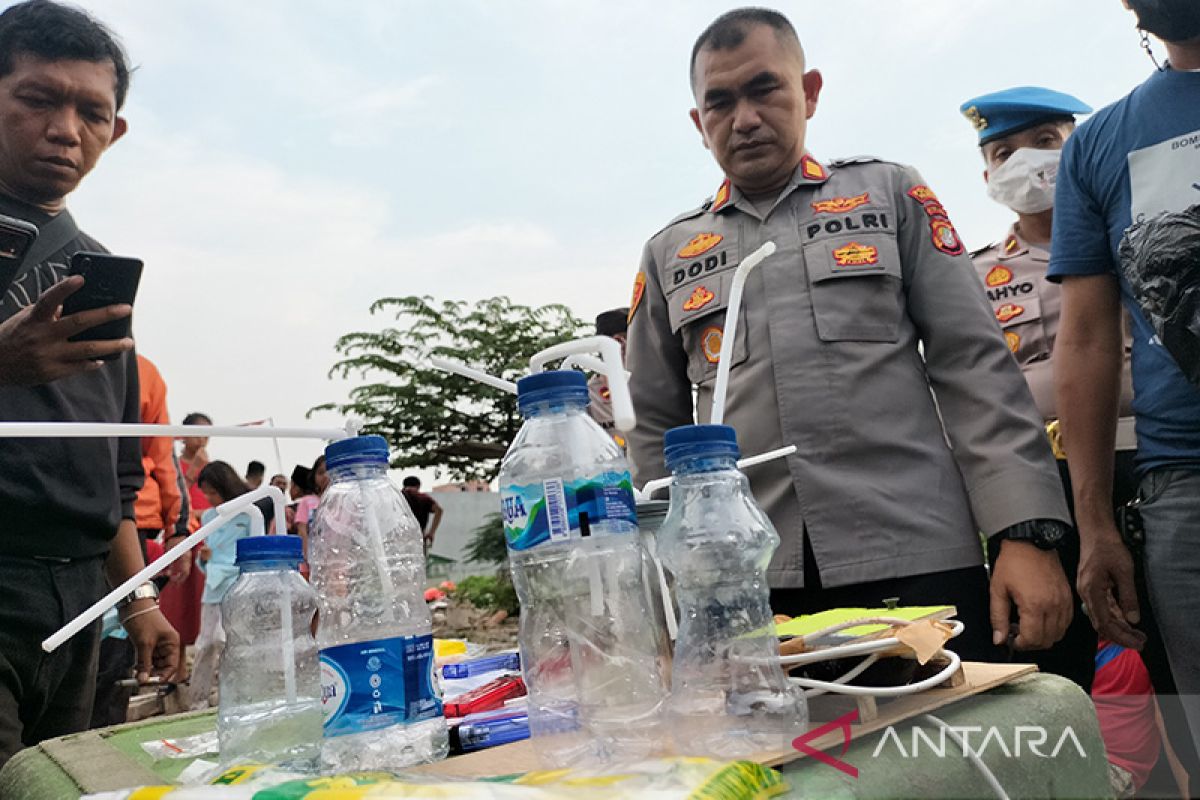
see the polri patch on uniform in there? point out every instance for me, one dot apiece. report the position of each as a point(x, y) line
point(841, 205)
point(998, 276)
point(945, 238)
point(700, 244)
point(935, 209)
point(811, 169)
point(923, 194)
point(698, 299)
point(1013, 339)
point(1009, 311)
point(639, 291)
point(710, 343)
point(856, 255)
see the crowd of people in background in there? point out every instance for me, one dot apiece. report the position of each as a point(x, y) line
point(936, 417)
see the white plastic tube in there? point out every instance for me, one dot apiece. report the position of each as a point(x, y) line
point(459, 368)
point(661, 483)
point(225, 512)
point(728, 336)
point(107, 430)
point(610, 365)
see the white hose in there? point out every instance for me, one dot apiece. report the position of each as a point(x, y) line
point(108, 430)
point(987, 774)
point(732, 310)
point(225, 512)
point(887, 691)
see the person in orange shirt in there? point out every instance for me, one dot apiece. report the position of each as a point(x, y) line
point(157, 506)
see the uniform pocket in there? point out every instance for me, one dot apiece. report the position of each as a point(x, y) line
point(697, 314)
point(857, 288)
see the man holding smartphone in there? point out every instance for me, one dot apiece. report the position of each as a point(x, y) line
point(67, 529)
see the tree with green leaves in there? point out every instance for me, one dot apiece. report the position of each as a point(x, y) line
point(435, 419)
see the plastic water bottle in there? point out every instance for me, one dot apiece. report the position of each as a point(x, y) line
point(270, 709)
point(383, 709)
point(589, 648)
point(729, 695)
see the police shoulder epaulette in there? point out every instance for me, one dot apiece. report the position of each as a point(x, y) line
point(842, 162)
point(984, 249)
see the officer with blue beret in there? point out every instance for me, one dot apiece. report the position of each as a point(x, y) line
point(1021, 133)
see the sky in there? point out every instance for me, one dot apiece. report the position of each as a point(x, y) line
point(290, 161)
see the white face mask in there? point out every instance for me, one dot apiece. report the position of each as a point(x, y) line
point(1025, 182)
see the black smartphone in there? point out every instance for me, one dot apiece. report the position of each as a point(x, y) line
point(16, 237)
point(108, 280)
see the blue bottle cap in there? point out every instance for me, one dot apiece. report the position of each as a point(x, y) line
point(563, 385)
point(699, 441)
point(270, 548)
point(359, 450)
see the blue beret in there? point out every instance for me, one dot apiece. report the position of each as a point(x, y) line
point(1001, 113)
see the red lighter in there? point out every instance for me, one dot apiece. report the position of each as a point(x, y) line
point(485, 698)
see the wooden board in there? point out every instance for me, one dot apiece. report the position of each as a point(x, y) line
point(980, 677)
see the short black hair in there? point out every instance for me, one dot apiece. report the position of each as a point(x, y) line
point(197, 418)
point(730, 29)
point(255, 468)
point(55, 32)
point(413, 481)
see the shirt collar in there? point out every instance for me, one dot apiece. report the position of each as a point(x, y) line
point(1014, 246)
point(809, 172)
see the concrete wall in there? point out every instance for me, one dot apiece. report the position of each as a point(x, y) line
point(464, 512)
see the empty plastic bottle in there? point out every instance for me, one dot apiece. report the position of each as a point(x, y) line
point(270, 709)
point(383, 709)
point(729, 695)
point(589, 648)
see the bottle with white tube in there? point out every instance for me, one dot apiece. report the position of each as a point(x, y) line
point(729, 695)
point(589, 647)
point(383, 709)
point(270, 709)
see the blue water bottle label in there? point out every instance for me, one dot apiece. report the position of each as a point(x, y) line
point(366, 686)
point(555, 510)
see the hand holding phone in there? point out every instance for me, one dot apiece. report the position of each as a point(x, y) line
point(108, 280)
point(40, 344)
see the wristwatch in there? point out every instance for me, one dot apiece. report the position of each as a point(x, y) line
point(147, 591)
point(1046, 534)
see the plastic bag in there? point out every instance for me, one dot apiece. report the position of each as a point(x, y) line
point(663, 779)
point(1160, 258)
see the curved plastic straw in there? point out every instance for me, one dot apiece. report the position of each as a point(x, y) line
point(611, 366)
point(732, 311)
point(459, 368)
point(653, 486)
point(225, 512)
point(105, 430)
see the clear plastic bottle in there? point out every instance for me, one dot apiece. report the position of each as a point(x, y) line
point(270, 709)
point(383, 709)
point(589, 648)
point(729, 695)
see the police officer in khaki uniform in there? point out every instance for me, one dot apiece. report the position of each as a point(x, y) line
point(875, 503)
point(1021, 134)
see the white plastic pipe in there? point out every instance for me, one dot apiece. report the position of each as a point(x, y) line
point(728, 336)
point(611, 366)
point(225, 512)
point(590, 363)
point(459, 368)
point(661, 483)
point(107, 430)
